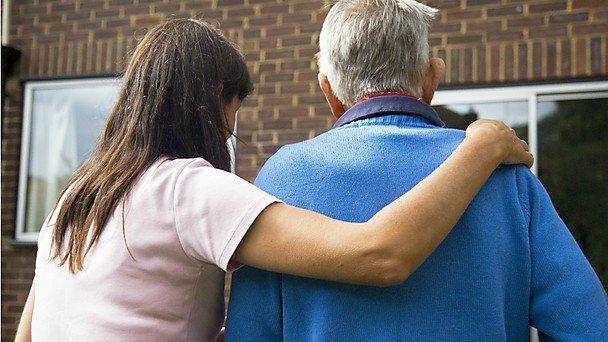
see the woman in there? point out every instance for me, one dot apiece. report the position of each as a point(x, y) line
point(137, 245)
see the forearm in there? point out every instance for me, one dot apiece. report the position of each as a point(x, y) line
point(395, 241)
point(385, 249)
point(25, 324)
point(411, 228)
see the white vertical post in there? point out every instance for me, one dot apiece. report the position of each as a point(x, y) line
point(534, 335)
point(533, 143)
point(6, 12)
point(533, 129)
point(232, 144)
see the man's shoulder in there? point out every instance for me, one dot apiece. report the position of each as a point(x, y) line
point(293, 156)
point(342, 145)
point(282, 167)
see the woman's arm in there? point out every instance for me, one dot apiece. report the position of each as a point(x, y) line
point(390, 246)
point(25, 324)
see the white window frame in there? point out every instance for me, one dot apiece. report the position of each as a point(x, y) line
point(532, 94)
point(30, 86)
point(232, 146)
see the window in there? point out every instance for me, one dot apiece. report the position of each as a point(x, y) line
point(61, 122)
point(566, 126)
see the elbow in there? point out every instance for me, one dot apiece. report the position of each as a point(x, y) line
point(392, 272)
point(387, 263)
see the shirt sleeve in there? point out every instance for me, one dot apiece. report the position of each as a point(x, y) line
point(567, 300)
point(213, 211)
point(43, 244)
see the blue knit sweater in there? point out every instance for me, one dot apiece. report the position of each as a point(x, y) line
point(510, 262)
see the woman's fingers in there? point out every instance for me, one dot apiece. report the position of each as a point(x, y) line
point(529, 160)
point(524, 144)
point(515, 150)
point(523, 154)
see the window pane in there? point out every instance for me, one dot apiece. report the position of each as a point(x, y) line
point(65, 123)
point(573, 166)
point(515, 114)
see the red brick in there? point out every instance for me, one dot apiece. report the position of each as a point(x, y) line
point(263, 21)
point(588, 3)
point(278, 77)
point(494, 61)
point(590, 28)
point(505, 10)
point(551, 59)
point(468, 65)
point(435, 41)
point(525, 21)
point(278, 124)
point(537, 60)
point(146, 21)
point(466, 14)
point(274, 9)
point(486, 25)
point(296, 41)
point(296, 65)
point(566, 58)
point(280, 31)
point(454, 69)
point(548, 7)
point(481, 64)
point(306, 6)
point(471, 3)
point(221, 3)
point(581, 56)
point(475, 38)
point(568, 17)
point(279, 54)
point(505, 36)
point(277, 100)
point(444, 4)
point(601, 15)
point(552, 31)
point(509, 67)
point(595, 49)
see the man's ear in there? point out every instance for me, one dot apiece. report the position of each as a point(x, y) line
point(433, 76)
point(337, 108)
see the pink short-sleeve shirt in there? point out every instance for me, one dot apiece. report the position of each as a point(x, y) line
point(183, 220)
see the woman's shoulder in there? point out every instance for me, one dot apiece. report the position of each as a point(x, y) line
point(170, 175)
point(167, 164)
point(169, 169)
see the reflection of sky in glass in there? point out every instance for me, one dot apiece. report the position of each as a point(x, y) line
point(71, 117)
point(546, 108)
point(512, 113)
point(65, 123)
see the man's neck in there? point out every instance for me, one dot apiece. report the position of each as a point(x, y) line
point(387, 93)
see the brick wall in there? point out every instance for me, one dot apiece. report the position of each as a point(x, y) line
point(482, 41)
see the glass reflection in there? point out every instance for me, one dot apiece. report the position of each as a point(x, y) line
point(573, 166)
point(514, 114)
point(65, 123)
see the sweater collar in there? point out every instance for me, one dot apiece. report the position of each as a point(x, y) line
point(385, 103)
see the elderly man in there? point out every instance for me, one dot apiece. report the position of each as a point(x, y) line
point(509, 263)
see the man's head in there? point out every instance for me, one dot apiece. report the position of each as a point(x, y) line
point(369, 46)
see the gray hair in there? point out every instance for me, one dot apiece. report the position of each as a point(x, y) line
point(367, 46)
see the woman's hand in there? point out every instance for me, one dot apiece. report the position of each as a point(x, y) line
point(500, 140)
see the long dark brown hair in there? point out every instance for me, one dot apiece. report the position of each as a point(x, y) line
point(170, 104)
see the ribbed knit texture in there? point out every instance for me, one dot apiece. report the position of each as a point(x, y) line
point(509, 263)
